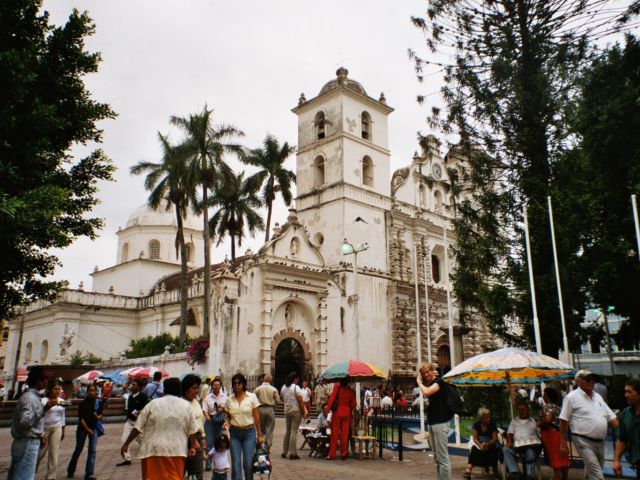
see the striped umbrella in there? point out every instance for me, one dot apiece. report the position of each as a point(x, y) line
point(353, 369)
point(147, 372)
point(90, 376)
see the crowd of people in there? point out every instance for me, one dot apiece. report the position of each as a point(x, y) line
point(190, 426)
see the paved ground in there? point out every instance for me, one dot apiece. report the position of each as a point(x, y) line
point(416, 465)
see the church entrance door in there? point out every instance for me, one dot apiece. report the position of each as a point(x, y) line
point(289, 358)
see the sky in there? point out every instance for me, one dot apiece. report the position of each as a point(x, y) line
point(249, 60)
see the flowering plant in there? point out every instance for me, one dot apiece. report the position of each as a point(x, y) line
point(197, 350)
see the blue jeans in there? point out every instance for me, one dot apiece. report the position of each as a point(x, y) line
point(529, 457)
point(211, 430)
point(81, 437)
point(219, 476)
point(24, 455)
point(243, 446)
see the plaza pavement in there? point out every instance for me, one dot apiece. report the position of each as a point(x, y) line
point(415, 465)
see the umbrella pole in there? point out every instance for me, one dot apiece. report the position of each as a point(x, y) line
point(510, 393)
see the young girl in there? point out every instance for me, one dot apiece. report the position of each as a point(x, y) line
point(219, 458)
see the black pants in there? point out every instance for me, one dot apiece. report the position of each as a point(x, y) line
point(195, 465)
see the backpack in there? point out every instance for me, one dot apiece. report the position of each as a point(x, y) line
point(454, 400)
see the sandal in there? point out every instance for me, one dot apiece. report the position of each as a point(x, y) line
point(467, 475)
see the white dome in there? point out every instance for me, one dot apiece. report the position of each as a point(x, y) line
point(145, 215)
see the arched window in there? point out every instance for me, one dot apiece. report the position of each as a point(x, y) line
point(188, 251)
point(367, 171)
point(435, 268)
point(318, 171)
point(444, 358)
point(44, 351)
point(366, 125)
point(437, 200)
point(28, 352)
point(125, 253)
point(154, 249)
point(321, 126)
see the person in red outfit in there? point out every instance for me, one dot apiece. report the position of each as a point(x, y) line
point(345, 400)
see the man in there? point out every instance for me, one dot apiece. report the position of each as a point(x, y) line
point(89, 413)
point(306, 395)
point(629, 429)
point(27, 427)
point(320, 394)
point(154, 389)
point(523, 441)
point(587, 414)
point(213, 410)
point(438, 417)
point(134, 405)
point(268, 397)
point(386, 402)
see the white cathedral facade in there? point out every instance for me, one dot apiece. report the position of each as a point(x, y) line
point(293, 304)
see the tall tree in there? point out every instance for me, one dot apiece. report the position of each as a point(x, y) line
point(46, 194)
point(236, 201)
point(272, 176)
point(206, 145)
point(505, 93)
point(169, 182)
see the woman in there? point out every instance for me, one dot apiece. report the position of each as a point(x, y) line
point(190, 388)
point(344, 401)
point(54, 425)
point(166, 425)
point(213, 409)
point(89, 414)
point(294, 410)
point(550, 435)
point(484, 450)
point(243, 421)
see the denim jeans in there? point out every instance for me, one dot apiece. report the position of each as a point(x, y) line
point(24, 456)
point(219, 476)
point(243, 446)
point(81, 437)
point(439, 439)
point(211, 430)
point(529, 457)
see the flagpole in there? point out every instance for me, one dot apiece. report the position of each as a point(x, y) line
point(634, 207)
point(536, 324)
point(565, 341)
point(418, 336)
point(452, 348)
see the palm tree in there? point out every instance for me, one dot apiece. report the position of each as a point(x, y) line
point(272, 177)
point(168, 182)
point(205, 146)
point(236, 200)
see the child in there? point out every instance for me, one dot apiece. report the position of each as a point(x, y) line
point(219, 459)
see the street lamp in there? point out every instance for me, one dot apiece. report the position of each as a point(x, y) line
point(350, 249)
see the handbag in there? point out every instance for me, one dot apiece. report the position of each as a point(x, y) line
point(99, 427)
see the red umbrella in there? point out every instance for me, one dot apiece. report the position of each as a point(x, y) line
point(146, 372)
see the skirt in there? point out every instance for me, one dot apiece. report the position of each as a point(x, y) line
point(551, 443)
point(163, 468)
point(487, 458)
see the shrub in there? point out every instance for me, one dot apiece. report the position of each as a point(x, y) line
point(150, 346)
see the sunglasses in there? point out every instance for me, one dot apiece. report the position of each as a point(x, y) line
point(236, 383)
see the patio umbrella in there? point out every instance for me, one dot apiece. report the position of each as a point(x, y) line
point(146, 372)
point(508, 366)
point(90, 376)
point(115, 376)
point(353, 369)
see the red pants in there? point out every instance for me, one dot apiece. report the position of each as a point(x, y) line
point(339, 428)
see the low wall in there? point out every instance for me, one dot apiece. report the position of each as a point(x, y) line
point(175, 364)
point(113, 412)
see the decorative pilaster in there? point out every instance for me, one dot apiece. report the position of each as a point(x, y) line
point(265, 332)
point(321, 346)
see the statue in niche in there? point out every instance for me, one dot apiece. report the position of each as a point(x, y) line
point(289, 316)
point(65, 344)
point(295, 246)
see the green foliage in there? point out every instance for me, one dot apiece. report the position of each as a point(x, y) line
point(78, 358)
point(495, 399)
point(45, 110)
point(150, 345)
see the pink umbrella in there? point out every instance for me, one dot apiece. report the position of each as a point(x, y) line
point(90, 376)
point(130, 371)
point(147, 372)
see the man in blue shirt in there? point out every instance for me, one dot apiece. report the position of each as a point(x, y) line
point(154, 389)
point(27, 427)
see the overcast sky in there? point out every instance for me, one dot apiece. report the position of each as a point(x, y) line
point(248, 60)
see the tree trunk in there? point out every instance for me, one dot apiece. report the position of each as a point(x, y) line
point(233, 249)
point(207, 257)
point(269, 210)
point(184, 286)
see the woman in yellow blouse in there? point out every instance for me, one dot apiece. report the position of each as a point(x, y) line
point(243, 421)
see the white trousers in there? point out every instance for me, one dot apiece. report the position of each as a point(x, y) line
point(50, 450)
point(128, 426)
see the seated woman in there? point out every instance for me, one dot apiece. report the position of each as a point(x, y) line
point(484, 451)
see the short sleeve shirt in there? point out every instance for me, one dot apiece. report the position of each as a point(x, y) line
point(212, 400)
point(437, 409)
point(629, 433)
point(165, 425)
point(523, 430)
point(486, 435)
point(587, 416)
point(289, 397)
point(241, 413)
point(267, 395)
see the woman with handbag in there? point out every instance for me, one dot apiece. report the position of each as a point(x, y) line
point(342, 402)
point(214, 416)
point(89, 426)
point(294, 411)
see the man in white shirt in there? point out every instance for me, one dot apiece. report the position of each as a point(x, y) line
point(386, 401)
point(523, 440)
point(213, 410)
point(585, 412)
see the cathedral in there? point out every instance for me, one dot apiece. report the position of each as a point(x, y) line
point(343, 277)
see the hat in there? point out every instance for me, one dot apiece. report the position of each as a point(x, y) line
point(585, 374)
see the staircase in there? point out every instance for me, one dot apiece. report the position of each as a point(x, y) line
point(280, 411)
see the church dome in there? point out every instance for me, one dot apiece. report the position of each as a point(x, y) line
point(146, 216)
point(341, 80)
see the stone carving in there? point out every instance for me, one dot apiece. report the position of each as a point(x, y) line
point(65, 344)
point(295, 246)
point(289, 316)
point(302, 99)
point(399, 177)
point(382, 98)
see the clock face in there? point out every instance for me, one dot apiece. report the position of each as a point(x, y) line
point(436, 171)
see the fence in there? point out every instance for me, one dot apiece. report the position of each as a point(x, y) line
point(388, 433)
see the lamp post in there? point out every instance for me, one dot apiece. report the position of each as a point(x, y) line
point(350, 249)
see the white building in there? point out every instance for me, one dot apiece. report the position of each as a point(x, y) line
point(292, 304)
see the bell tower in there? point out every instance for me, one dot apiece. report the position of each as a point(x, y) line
point(343, 168)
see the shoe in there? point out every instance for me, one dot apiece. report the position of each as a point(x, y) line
point(283, 455)
point(329, 458)
point(294, 457)
point(344, 457)
point(467, 475)
point(123, 463)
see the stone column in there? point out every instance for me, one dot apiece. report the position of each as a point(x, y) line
point(321, 345)
point(265, 332)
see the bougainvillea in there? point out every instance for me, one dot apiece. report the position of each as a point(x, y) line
point(198, 350)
